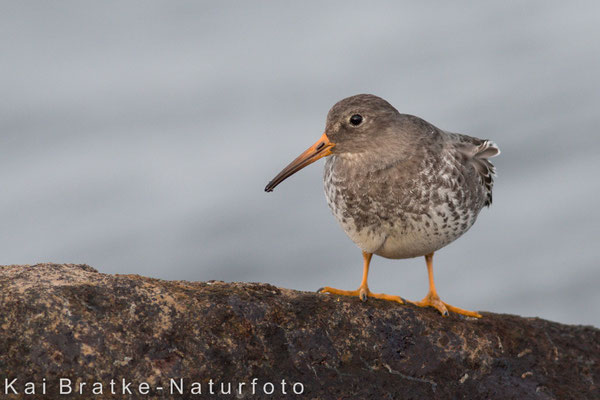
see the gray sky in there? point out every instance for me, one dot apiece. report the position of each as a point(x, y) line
point(137, 137)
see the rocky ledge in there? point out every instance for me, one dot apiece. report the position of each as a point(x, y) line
point(69, 329)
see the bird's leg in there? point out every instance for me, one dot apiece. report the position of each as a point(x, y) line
point(433, 300)
point(363, 290)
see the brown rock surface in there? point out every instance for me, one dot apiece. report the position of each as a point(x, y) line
point(69, 321)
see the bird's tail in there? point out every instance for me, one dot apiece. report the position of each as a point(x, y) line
point(487, 171)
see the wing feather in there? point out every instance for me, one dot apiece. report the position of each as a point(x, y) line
point(477, 152)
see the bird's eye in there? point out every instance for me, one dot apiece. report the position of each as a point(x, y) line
point(356, 119)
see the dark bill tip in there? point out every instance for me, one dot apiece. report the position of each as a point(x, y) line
point(318, 150)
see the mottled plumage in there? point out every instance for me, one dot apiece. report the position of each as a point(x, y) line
point(398, 186)
point(413, 195)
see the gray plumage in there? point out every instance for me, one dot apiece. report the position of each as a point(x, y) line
point(399, 186)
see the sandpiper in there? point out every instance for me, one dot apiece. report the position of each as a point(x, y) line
point(399, 186)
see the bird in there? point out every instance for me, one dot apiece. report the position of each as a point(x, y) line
point(398, 186)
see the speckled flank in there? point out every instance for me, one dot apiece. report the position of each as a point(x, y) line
point(410, 188)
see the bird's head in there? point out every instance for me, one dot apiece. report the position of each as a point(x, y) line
point(354, 124)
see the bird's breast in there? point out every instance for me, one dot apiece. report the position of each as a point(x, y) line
point(392, 212)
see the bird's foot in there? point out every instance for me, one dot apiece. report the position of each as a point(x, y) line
point(362, 292)
point(433, 300)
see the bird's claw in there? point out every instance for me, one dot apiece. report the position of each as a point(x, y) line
point(363, 294)
point(433, 300)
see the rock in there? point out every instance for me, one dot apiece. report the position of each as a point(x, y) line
point(72, 323)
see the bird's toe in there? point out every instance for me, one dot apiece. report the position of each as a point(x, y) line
point(363, 294)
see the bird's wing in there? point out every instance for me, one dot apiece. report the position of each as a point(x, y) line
point(477, 152)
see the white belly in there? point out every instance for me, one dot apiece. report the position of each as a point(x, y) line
point(414, 239)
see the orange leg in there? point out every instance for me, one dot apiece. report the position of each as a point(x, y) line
point(433, 300)
point(363, 290)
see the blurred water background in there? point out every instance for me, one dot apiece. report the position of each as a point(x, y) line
point(137, 137)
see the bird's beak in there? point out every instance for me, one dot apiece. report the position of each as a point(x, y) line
point(318, 150)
